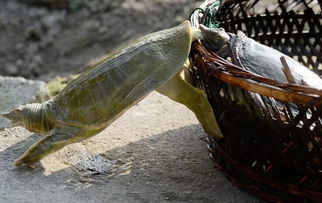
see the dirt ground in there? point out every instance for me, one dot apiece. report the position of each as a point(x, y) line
point(152, 153)
point(41, 42)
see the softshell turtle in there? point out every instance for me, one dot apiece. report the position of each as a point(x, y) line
point(259, 58)
point(254, 56)
point(157, 61)
point(105, 91)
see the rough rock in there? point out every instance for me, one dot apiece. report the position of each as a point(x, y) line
point(15, 91)
point(37, 41)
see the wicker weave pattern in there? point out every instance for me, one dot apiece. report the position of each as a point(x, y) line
point(265, 144)
point(272, 144)
point(294, 28)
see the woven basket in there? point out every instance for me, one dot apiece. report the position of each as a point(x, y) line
point(268, 150)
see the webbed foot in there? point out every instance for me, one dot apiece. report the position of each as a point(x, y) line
point(50, 144)
point(33, 154)
point(180, 90)
point(19, 163)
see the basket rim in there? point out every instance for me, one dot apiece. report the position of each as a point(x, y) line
point(232, 74)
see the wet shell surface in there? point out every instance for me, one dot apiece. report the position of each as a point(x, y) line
point(265, 61)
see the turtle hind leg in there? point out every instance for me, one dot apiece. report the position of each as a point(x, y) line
point(179, 90)
point(59, 138)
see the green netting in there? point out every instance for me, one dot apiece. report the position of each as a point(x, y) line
point(206, 9)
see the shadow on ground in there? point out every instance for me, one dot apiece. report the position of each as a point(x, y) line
point(170, 166)
point(155, 152)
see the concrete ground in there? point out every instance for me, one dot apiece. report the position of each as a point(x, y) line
point(156, 152)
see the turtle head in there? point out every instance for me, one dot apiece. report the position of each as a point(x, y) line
point(16, 116)
point(216, 38)
point(33, 117)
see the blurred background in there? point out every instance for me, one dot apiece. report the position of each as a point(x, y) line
point(42, 39)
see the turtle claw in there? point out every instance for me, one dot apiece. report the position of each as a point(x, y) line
point(19, 163)
point(29, 159)
point(24, 161)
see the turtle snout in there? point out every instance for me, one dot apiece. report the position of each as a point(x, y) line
point(15, 117)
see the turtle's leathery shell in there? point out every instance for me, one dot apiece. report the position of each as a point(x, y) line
point(105, 91)
point(265, 61)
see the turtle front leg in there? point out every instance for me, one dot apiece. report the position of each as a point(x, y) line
point(179, 90)
point(58, 139)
